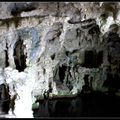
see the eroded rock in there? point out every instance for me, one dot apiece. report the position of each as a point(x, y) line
point(51, 46)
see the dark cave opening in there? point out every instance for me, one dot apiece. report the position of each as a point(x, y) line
point(53, 56)
point(20, 7)
point(92, 59)
point(4, 98)
point(112, 82)
point(87, 87)
point(19, 56)
point(89, 59)
point(99, 59)
point(62, 70)
point(6, 56)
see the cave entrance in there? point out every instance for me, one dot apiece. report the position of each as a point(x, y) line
point(92, 59)
point(4, 99)
point(99, 60)
point(19, 56)
point(62, 70)
point(89, 59)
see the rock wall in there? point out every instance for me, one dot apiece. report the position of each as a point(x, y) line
point(52, 46)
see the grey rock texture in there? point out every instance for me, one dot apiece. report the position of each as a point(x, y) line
point(51, 46)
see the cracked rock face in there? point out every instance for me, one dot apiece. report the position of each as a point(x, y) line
point(52, 46)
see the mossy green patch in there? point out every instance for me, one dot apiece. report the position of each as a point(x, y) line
point(35, 105)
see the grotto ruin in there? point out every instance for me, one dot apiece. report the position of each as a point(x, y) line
point(47, 49)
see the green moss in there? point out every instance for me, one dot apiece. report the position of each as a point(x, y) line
point(35, 105)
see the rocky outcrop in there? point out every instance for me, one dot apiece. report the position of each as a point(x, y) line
point(52, 46)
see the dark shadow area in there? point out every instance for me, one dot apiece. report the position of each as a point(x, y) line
point(62, 70)
point(87, 87)
point(17, 8)
point(112, 82)
point(6, 56)
point(53, 56)
point(19, 56)
point(89, 59)
point(96, 104)
point(94, 30)
point(93, 59)
point(99, 59)
point(4, 99)
point(62, 108)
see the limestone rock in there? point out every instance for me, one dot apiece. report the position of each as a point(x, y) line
point(51, 46)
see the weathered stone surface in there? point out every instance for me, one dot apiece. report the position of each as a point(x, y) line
point(59, 44)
